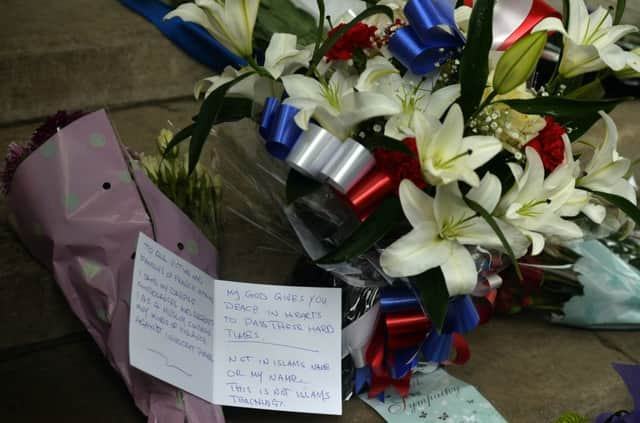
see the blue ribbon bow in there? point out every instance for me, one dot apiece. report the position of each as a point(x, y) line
point(278, 127)
point(431, 37)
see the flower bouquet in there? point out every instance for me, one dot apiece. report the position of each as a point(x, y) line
point(78, 202)
point(421, 152)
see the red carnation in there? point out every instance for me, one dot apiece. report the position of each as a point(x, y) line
point(549, 144)
point(400, 166)
point(358, 36)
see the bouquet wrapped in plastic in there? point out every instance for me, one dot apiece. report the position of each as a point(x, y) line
point(421, 152)
point(78, 202)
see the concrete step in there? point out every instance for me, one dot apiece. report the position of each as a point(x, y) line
point(85, 54)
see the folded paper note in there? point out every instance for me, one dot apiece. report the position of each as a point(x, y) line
point(231, 343)
point(436, 397)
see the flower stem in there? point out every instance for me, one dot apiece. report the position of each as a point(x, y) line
point(259, 69)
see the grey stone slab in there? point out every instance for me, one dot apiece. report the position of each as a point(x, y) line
point(533, 371)
point(85, 54)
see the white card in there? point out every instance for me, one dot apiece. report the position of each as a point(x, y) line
point(278, 347)
point(171, 320)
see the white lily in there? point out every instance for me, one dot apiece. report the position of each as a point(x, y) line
point(562, 187)
point(607, 169)
point(281, 57)
point(589, 41)
point(534, 204)
point(229, 22)
point(445, 156)
point(335, 105)
point(441, 229)
point(413, 94)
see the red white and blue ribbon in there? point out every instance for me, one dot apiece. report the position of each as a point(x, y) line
point(315, 153)
point(513, 19)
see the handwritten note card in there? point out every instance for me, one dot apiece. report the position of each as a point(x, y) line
point(171, 321)
point(278, 347)
point(231, 343)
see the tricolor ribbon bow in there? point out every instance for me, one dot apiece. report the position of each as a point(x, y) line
point(430, 38)
point(316, 152)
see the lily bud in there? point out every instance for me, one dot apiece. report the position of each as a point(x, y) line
point(518, 63)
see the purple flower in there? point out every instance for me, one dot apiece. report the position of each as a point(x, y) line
point(17, 153)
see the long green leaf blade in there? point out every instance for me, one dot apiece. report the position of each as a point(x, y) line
point(434, 294)
point(474, 66)
point(566, 10)
point(368, 233)
point(386, 143)
point(622, 203)
point(620, 7)
point(208, 117)
point(491, 221)
point(340, 32)
point(579, 115)
point(182, 135)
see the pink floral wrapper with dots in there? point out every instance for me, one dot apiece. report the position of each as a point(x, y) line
point(78, 203)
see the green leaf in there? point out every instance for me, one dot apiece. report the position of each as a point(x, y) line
point(566, 10)
point(434, 294)
point(234, 109)
point(282, 16)
point(340, 32)
point(386, 143)
point(519, 62)
point(299, 185)
point(208, 116)
point(591, 91)
point(620, 7)
point(182, 135)
point(381, 221)
point(579, 115)
point(491, 221)
point(620, 202)
point(474, 66)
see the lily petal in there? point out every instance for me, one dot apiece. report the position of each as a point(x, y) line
point(487, 194)
point(482, 148)
point(416, 252)
point(460, 273)
point(416, 204)
point(361, 106)
point(449, 207)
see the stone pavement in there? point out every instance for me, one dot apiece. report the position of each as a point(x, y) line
point(89, 53)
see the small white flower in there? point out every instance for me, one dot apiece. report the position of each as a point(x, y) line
point(441, 229)
point(230, 23)
point(445, 156)
point(589, 41)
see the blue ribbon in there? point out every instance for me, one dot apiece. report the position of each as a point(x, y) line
point(278, 127)
point(191, 38)
point(398, 299)
point(405, 360)
point(363, 377)
point(424, 44)
point(462, 315)
point(437, 347)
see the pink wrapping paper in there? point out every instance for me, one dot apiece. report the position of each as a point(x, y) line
point(78, 205)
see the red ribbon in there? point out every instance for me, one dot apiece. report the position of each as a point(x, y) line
point(461, 347)
point(369, 192)
point(539, 11)
point(406, 330)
